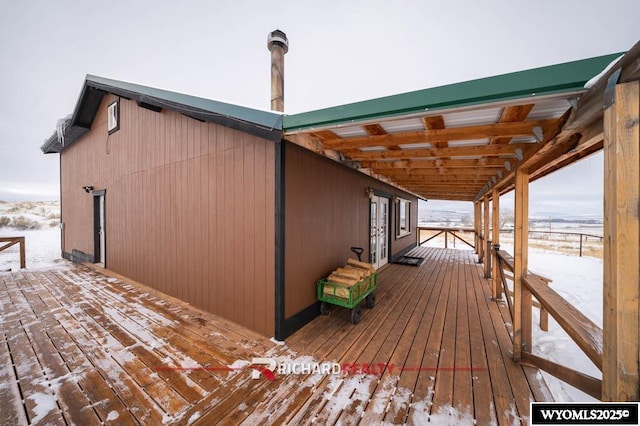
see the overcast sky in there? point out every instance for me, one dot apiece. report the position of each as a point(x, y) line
point(340, 51)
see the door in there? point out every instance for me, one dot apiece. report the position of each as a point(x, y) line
point(379, 231)
point(99, 228)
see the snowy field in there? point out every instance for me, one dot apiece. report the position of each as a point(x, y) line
point(578, 279)
point(38, 222)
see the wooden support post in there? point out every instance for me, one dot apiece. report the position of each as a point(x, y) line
point(476, 227)
point(496, 289)
point(446, 239)
point(486, 251)
point(620, 356)
point(522, 296)
point(477, 217)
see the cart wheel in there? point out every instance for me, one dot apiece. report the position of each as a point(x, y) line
point(324, 308)
point(356, 314)
point(371, 301)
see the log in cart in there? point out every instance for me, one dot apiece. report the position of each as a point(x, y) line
point(347, 287)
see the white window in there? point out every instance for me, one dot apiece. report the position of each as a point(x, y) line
point(403, 217)
point(113, 117)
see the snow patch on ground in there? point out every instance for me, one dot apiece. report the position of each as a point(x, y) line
point(277, 342)
point(113, 415)
point(239, 364)
point(579, 281)
point(44, 404)
point(195, 416)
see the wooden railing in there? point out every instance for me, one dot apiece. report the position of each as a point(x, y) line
point(580, 237)
point(505, 269)
point(446, 231)
point(584, 332)
point(11, 241)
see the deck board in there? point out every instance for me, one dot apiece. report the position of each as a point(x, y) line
point(84, 346)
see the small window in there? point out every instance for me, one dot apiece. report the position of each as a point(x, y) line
point(113, 117)
point(403, 217)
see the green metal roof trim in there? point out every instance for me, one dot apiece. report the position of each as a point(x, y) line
point(566, 77)
point(260, 123)
point(263, 118)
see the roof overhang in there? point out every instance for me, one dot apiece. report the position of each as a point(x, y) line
point(264, 124)
point(453, 142)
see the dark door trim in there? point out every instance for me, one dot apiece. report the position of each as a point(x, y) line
point(96, 225)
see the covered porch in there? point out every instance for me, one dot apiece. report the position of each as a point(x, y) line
point(478, 140)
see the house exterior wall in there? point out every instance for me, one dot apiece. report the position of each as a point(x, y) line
point(326, 213)
point(189, 209)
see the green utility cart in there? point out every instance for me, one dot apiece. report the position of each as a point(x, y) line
point(348, 296)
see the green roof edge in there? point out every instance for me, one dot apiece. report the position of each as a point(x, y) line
point(548, 80)
point(246, 114)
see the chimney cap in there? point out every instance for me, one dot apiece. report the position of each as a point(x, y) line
point(279, 38)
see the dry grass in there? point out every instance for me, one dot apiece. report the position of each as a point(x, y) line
point(4, 221)
point(23, 223)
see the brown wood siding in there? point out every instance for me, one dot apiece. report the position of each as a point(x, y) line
point(327, 212)
point(189, 209)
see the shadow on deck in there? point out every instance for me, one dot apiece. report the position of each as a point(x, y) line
point(78, 346)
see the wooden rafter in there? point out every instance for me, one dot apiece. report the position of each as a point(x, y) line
point(435, 123)
point(551, 137)
point(325, 135)
point(377, 130)
point(437, 163)
point(524, 128)
point(453, 174)
point(458, 151)
point(512, 114)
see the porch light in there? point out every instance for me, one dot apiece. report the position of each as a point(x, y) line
point(369, 192)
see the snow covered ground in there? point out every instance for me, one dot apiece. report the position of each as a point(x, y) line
point(42, 245)
point(578, 279)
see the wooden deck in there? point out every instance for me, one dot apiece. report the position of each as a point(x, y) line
point(78, 346)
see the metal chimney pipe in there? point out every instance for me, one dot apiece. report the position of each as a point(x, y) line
point(278, 45)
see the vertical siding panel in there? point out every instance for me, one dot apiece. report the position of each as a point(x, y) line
point(183, 190)
point(269, 300)
point(173, 229)
point(214, 254)
point(229, 292)
point(222, 250)
point(192, 230)
point(190, 137)
point(238, 220)
point(248, 232)
point(204, 232)
point(197, 138)
point(259, 238)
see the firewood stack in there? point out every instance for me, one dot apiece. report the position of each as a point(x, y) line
point(354, 272)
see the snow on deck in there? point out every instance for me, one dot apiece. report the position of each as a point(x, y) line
point(83, 347)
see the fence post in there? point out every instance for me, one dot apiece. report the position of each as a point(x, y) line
point(23, 257)
point(580, 245)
